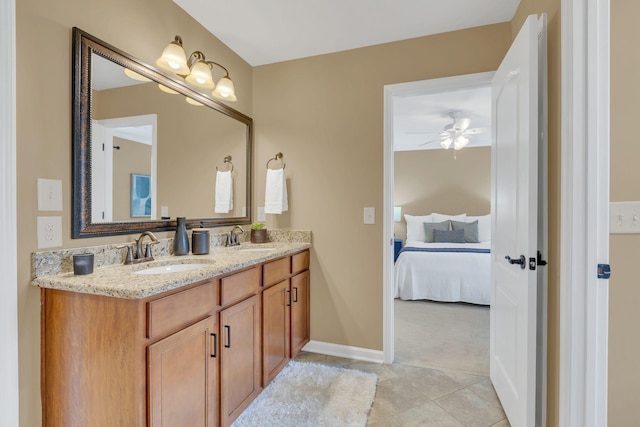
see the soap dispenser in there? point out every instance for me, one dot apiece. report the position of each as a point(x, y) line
point(181, 239)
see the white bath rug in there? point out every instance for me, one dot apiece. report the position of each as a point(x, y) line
point(309, 394)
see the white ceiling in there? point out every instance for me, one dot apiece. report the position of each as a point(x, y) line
point(265, 32)
point(268, 31)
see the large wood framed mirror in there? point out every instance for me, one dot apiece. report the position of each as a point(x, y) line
point(147, 147)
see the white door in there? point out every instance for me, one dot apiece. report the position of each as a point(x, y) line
point(514, 181)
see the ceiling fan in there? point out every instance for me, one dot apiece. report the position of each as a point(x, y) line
point(456, 134)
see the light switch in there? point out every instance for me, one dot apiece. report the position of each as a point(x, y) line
point(164, 211)
point(369, 215)
point(624, 217)
point(49, 195)
point(49, 231)
point(261, 215)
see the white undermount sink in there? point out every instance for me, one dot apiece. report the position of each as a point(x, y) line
point(166, 269)
point(260, 249)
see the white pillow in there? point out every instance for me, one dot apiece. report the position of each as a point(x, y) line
point(484, 226)
point(415, 229)
point(440, 217)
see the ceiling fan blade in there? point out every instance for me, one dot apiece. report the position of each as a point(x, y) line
point(433, 141)
point(475, 131)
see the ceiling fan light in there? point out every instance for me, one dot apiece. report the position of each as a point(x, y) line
point(173, 58)
point(224, 90)
point(460, 142)
point(200, 76)
point(446, 143)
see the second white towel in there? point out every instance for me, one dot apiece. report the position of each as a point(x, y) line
point(275, 196)
point(224, 192)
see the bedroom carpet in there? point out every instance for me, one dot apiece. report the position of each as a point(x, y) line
point(311, 394)
point(451, 336)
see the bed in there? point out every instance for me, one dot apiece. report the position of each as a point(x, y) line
point(444, 271)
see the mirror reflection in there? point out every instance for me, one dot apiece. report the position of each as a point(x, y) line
point(153, 155)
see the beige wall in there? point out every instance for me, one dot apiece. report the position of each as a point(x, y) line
point(325, 114)
point(624, 290)
point(333, 105)
point(141, 28)
point(442, 181)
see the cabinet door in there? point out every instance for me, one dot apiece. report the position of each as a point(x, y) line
point(240, 357)
point(300, 333)
point(183, 377)
point(276, 319)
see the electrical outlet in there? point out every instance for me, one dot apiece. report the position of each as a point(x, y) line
point(261, 215)
point(49, 231)
point(49, 195)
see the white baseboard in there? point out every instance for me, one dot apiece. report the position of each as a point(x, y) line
point(348, 352)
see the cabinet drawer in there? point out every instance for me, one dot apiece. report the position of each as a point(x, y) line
point(275, 271)
point(173, 311)
point(299, 262)
point(239, 286)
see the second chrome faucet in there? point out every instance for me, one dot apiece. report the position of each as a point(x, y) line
point(232, 238)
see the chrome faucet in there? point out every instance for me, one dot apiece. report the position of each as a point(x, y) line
point(148, 256)
point(232, 238)
point(138, 257)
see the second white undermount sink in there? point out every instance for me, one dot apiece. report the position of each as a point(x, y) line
point(166, 269)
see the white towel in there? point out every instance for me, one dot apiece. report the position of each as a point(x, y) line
point(224, 192)
point(275, 196)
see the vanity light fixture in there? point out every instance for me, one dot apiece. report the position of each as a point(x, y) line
point(196, 70)
point(193, 102)
point(135, 76)
point(167, 90)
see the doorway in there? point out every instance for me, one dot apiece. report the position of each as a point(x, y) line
point(446, 84)
point(442, 162)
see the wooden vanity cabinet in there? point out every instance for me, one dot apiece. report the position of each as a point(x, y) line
point(240, 342)
point(194, 356)
point(276, 327)
point(285, 312)
point(300, 313)
point(110, 361)
point(183, 377)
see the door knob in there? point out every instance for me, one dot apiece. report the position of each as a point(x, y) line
point(521, 261)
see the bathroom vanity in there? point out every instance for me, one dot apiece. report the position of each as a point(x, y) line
point(120, 348)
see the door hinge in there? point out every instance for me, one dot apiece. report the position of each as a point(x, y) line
point(604, 271)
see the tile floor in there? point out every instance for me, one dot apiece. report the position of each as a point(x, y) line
point(416, 396)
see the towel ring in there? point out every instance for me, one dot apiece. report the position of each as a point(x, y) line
point(227, 159)
point(278, 156)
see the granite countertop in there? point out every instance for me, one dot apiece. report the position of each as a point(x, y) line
point(119, 280)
